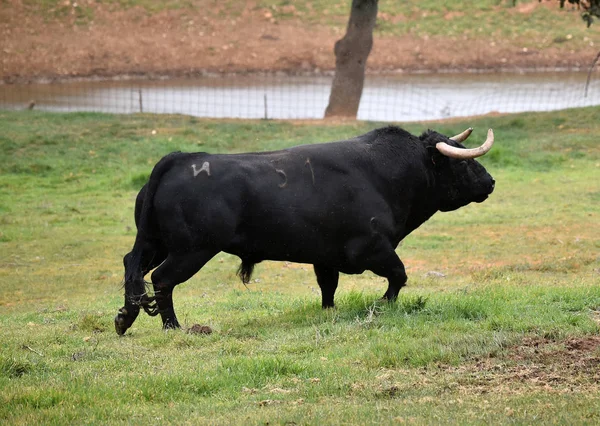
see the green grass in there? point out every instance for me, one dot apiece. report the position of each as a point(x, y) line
point(509, 334)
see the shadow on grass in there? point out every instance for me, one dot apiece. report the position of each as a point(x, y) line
point(260, 312)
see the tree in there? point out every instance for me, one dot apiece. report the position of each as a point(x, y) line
point(590, 9)
point(351, 53)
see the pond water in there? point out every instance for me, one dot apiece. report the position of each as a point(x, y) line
point(399, 97)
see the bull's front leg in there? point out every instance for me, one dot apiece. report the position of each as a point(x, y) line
point(385, 262)
point(327, 278)
point(397, 278)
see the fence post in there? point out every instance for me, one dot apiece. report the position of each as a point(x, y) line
point(266, 115)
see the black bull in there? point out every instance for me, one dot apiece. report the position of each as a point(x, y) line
point(341, 206)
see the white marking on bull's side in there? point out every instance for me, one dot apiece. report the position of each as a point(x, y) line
point(205, 168)
point(282, 173)
point(312, 172)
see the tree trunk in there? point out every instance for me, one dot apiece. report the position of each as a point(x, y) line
point(351, 53)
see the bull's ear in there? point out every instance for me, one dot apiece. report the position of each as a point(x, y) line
point(437, 158)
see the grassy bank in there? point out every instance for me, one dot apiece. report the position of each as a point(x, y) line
point(509, 333)
point(151, 38)
point(493, 19)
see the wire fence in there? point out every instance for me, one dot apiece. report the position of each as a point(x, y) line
point(385, 97)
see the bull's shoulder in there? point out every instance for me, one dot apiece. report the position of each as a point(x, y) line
point(385, 134)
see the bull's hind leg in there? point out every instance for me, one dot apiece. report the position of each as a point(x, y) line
point(135, 293)
point(176, 269)
point(328, 281)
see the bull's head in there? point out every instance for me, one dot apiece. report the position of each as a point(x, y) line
point(460, 179)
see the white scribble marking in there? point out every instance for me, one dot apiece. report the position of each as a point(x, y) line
point(312, 172)
point(205, 168)
point(284, 176)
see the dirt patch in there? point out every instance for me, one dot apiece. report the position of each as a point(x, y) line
point(559, 366)
point(536, 364)
point(527, 8)
point(181, 43)
point(581, 354)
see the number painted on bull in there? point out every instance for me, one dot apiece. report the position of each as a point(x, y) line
point(205, 168)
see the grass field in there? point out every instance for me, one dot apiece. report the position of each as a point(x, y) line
point(509, 334)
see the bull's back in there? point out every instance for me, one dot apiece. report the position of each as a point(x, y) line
point(287, 205)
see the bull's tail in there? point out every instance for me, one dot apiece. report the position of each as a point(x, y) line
point(245, 270)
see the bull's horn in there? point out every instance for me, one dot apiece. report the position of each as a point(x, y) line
point(462, 136)
point(454, 152)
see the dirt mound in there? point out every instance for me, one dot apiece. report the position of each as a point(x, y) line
point(177, 43)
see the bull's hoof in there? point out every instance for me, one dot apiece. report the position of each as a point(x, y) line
point(120, 326)
point(171, 324)
point(125, 318)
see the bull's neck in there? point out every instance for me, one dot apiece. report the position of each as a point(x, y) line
point(419, 201)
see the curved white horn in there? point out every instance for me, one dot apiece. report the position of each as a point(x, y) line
point(454, 152)
point(462, 136)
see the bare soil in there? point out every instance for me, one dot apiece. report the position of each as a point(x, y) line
point(552, 365)
point(535, 364)
point(175, 43)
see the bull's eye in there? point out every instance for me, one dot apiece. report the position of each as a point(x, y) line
point(461, 167)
